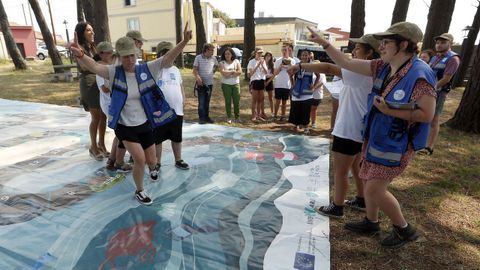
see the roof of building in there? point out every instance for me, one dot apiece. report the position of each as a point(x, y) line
point(270, 20)
point(336, 30)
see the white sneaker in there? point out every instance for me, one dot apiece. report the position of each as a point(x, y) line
point(143, 198)
point(314, 125)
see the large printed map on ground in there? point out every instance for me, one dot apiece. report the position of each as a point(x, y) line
point(246, 202)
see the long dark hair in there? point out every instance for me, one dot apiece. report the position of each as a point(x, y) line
point(270, 62)
point(88, 46)
point(234, 56)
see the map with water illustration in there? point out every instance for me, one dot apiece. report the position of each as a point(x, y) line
point(246, 202)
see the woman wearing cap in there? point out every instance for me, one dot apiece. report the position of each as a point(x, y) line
point(392, 132)
point(257, 70)
point(89, 96)
point(135, 96)
point(116, 159)
point(347, 133)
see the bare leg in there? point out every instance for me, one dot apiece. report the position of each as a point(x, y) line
point(355, 172)
point(95, 121)
point(341, 165)
point(284, 107)
point(434, 130)
point(139, 158)
point(313, 114)
point(376, 189)
point(102, 126)
point(277, 106)
point(158, 148)
point(177, 150)
point(333, 116)
point(270, 100)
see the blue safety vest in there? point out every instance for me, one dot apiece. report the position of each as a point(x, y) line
point(156, 108)
point(439, 67)
point(303, 83)
point(388, 136)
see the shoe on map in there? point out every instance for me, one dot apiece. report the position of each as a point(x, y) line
point(143, 198)
point(400, 236)
point(154, 171)
point(364, 226)
point(182, 165)
point(110, 165)
point(357, 203)
point(331, 210)
point(123, 168)
point(314, 125)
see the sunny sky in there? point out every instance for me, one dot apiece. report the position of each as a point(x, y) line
point(325, 13)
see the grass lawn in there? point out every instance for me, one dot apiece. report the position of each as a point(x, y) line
point(439, 194)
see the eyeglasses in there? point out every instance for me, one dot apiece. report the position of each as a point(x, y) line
point(384, 42)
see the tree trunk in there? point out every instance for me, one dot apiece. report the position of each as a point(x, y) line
point(47, 36)
point(179, 30)
point(88, 10)
point(102, 32)
point(199, 29)
point(248, 33)
point(12, 48)
point(80, 16)
point(467, 116)
point(400, 11)
point(467, 50)
point(357, 22)
point(439, 18)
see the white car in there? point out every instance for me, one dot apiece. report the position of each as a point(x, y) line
point(42, 52)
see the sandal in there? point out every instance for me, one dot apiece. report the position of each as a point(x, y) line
point(104, 152)
point(125, 167)
point(97, 157)
point(427, 151)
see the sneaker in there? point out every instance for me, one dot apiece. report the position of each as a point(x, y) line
point(356, 203)
point(427, 151)
point(210, 120)
point(181, 165)
point(143, 198)
point(364, 227)
point(282, 119)
point(314, 125)
point(331, 210)
point(154, 172)
point(238, 120)
point(229, 121)
point(202, 122)
point(400, 236)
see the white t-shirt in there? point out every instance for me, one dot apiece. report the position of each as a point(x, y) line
point(282, 80)
point(230, 67)
point(318, 93)
point(104, 97)
point(133, 113)
point(171, 86)
point(352, 106)
point(260, 73)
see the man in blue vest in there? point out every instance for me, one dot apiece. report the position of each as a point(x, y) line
point(445, 64)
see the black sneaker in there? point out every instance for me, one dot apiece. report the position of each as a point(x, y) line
point(202, 122)
point(400, 236)
point(181, 165)
point(331, 210)
point(210, 120)
point(365, 227)
point(143, 198)
point(154, 172)
point(356, 203)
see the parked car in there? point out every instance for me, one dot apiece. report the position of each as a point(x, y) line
point(42, 52)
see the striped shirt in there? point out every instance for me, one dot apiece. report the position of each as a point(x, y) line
point(205, 67)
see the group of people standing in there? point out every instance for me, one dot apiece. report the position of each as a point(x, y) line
point(388, 110)
point(126, 94)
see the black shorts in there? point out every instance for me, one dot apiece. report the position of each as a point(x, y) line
point(258, 85)
point(300, 112)
point(142, 134)
point(269, 86)
point(171, 131)
point(282, 93)
point(316, 102)
point(346, 146)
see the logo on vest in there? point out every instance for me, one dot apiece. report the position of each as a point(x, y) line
point(399, 94)
point(143, 76)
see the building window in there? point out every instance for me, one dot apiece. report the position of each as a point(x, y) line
point(133, 24)
point(130, 2)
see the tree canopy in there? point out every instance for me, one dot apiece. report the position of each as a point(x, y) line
point(222, 15)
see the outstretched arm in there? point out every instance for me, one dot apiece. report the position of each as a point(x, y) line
point(86, 61)
point(170, 56)
point(355, 65)
point(326, 68)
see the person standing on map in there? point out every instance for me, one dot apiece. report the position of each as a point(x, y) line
point(134, 110)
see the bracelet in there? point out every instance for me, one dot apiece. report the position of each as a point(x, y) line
point(326, 46)
point(80, 56)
